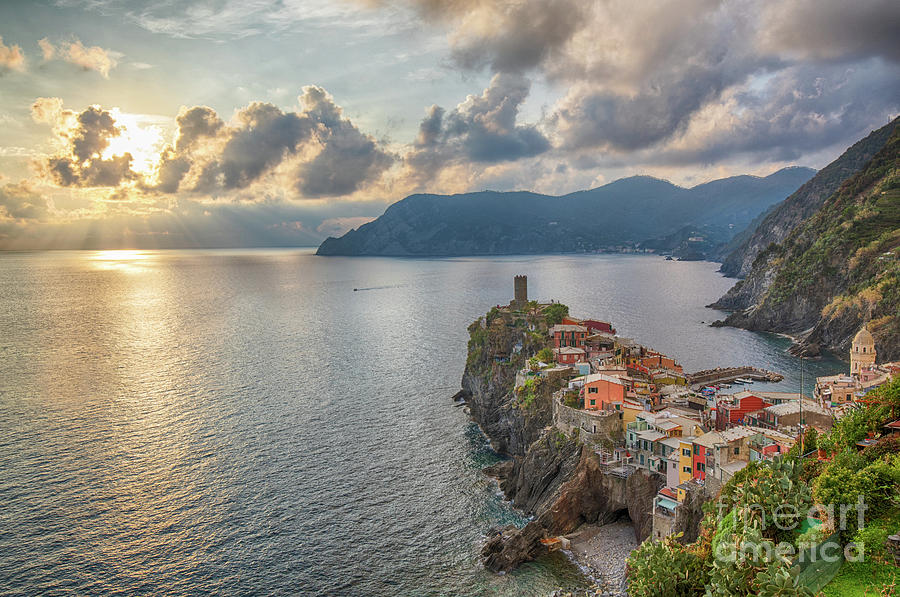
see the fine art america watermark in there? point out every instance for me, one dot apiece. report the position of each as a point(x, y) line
point(787, 517)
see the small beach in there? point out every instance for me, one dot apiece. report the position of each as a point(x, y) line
point(601, 551)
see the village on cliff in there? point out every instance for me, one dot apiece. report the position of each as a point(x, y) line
point(638, 409)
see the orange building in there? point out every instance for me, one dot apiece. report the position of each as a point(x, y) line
point(603, 392)
point(660, 361)
point(568, 335)
point(568, 355)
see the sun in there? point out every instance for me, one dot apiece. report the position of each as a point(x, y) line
point(141, 136)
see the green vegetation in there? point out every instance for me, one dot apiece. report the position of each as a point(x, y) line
point(528, 392)
point(751, 549)
point(555, 313)
point(573, 400)
point(875, 575)
point(477, 340)
point(546, 355)
point(802, 204)
point(667, 568)
point(846, 257)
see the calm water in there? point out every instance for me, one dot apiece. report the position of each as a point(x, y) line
point(244, 423)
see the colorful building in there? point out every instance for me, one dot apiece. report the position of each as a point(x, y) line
point(862, 352)
point(660, 361)
point(568, 355)
point(732, 409)
point(568, 335)
point(702, 451)
point(792, 414)
point(685, 464)
point(603, 392)
point(599, 327)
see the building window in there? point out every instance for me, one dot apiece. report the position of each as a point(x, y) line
point(686, 469)
point(593, 402)
point(592, 390)
point(696, 450)
point(685, 452)
point(737, 450)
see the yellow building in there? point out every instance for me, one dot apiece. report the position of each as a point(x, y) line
point(630, 411)
point(862, 352)
point(685, 464)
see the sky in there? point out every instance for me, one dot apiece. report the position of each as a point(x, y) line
point(219, 123)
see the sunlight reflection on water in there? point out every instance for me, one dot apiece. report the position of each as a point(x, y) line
point(242, 422)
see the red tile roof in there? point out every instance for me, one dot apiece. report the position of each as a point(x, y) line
point(668, 493)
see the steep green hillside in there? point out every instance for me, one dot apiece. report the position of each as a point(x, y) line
point(841, 268)
point(777, 222)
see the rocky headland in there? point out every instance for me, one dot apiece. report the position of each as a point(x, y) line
point(554, 477)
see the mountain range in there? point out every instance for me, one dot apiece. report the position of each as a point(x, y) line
point(627, 212)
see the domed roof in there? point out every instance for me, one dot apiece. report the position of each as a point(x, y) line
point(863, 337)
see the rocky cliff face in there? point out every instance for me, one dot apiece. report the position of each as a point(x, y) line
point(778, 222)
point(573, 491)
point(549, 475)
point(837, 270)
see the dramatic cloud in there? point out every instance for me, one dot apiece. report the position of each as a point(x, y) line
point(512, 36)
point(326, 154)
point(22, 202)
point(263, 136)
point(86, 57)
point(813, 29)
point(800, 110)
point(11, 57)
point(482, 129)
point(314, 150)
point(195, 124)
point(566, 95)
point(86, 137)
point(348, 157)
point(640, 75)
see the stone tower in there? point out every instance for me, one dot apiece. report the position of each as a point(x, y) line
point(862, 352)
point(521, 292)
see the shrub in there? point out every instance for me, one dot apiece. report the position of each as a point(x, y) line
point(665, 569)
point(555, 313)
point(546, 355)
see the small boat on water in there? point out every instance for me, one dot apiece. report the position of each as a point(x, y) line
point(743, 380)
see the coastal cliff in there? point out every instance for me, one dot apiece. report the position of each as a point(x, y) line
point(836, 271)
point(550, 475)
point(778, 221)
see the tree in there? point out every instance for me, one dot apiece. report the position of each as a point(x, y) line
point(546, 355)
point(555, 313)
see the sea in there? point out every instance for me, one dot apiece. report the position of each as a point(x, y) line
point(270, 422)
